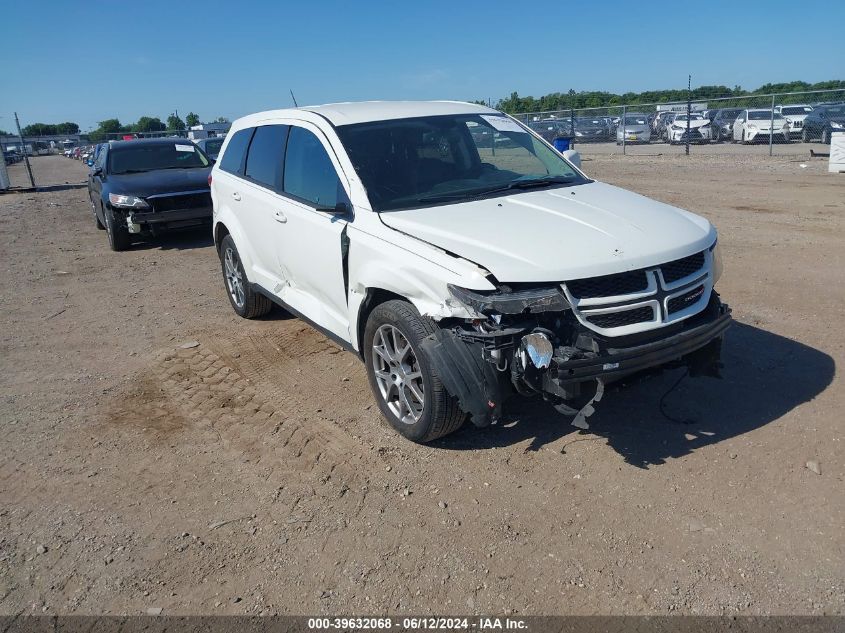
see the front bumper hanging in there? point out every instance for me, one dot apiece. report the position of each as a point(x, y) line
point(575, 376)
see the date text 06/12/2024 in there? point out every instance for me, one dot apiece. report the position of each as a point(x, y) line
point(422, 623)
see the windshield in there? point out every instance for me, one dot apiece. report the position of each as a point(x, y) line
point(796, 110)
point(407, 163)
point(635, 120)
point(835, 111)
point(589, 123)
point(729, 115)
point(213, 146)
point(762, 115)
point(692, 117)
point(134, 158)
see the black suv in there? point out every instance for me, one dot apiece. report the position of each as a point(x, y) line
point(140, 187)
point(822, 122)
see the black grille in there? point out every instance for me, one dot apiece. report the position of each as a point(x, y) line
point(685, 300)
point(618, 319)
point(183, 201)
point(608, 286)
point(680, 268)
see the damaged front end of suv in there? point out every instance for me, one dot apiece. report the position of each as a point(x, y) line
point(567, 341)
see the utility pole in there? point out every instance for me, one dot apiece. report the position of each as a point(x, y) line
point(25, 154)
point(689, 106)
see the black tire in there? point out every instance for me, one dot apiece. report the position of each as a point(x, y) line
point(805, 138)
point(119, 238)
point(248, 304)
point(825, 137)
point(441, 413)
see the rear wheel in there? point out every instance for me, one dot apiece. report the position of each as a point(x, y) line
point(245, 301)
point(408, 391)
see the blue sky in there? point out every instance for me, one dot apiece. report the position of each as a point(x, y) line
point(91, 60)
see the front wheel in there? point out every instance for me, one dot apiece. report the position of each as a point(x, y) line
point(245, 301)
point(408, 391)
point(826, 137)
point(119, 238)
point(805, 138)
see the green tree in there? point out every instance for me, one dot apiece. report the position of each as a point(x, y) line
point(192, 119)
point(222, 119)
point(39, 129)
point(106, 130)
point(148, 124)
point(175, 123)
point(4, 133)
point(68, 127)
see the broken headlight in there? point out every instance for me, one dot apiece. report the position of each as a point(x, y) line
point(127, 202)
point(506, 300)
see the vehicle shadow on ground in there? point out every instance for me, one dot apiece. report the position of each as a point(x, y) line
point(177, 240)
point(765, 377)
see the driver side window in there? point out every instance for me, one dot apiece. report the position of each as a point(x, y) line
point(309, 172)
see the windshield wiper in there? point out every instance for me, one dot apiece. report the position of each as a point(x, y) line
point(518, 184)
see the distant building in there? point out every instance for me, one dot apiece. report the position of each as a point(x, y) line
point(206, 130)
point(53, 141)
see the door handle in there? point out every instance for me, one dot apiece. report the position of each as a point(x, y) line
point(236, 196)
point(280, 217)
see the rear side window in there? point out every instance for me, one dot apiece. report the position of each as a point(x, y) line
point(266, 156)
point(233, 157)
point(309, 172)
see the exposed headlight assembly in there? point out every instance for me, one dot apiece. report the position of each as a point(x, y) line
point(837, 126)
point(507, 301)
point(127, 202)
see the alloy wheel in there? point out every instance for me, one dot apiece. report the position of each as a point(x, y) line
point(398, 374)
point(234, 278)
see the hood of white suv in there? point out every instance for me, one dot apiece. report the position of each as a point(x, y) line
point(559, 234)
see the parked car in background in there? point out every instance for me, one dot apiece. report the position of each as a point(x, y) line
point(211, 145)
point(658, 124)
point(591, 130)
point(138, 188)
point(551, 129)
point(822, 122)
point(794, 115)
point(759, 124)
point(634, 130)
point(699, 128)
point(722, 123)
point(12, 156)
point(460, 275)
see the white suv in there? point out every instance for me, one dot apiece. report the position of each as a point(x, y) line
point(461, 257)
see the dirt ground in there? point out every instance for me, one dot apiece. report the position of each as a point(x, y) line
point(251, 473)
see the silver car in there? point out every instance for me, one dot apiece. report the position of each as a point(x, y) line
point(635, 129)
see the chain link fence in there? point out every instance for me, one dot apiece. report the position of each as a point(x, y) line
point(775, 124)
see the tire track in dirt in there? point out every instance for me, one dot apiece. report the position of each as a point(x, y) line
point(250, 395)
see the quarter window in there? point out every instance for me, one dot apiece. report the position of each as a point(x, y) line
point(309, 172)
point(233, 157)
point(266, 155)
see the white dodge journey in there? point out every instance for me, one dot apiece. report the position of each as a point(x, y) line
point(461, 257)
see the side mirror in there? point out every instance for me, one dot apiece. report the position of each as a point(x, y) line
point(573, 156)
point(341, 208)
